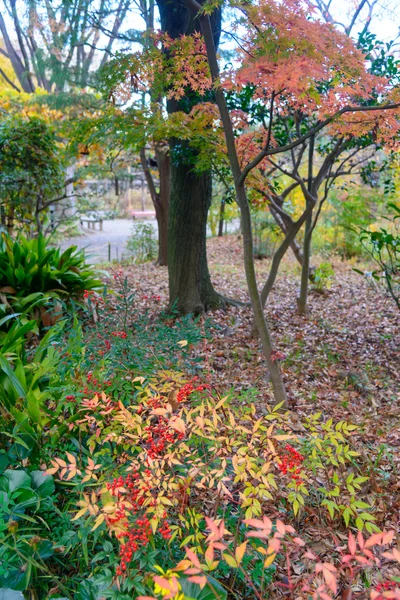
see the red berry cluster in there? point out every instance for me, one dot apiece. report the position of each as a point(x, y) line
point(165, 531)
point(385, 586)
point(120, 334)
point(95, 299)
point(138, 535)
point(117, 273)
point(189, 388)
point(290, 463)
point(132, 488)
point(158, 436)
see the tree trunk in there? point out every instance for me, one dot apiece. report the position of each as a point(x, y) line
point(221, 219)
point(190, 287)
point(160, 199)
point(162, 204)
point(305, 269)
point(242, 200)
point(10, 220)
point(294, 245)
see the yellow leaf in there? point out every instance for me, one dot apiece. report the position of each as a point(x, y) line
point(98, 522)
point(71, 458)
point(166, 501)
point(154, 524)
point(269, 560)
point(183, 343)
point(178, 424)
point(79, 514)
point(230, 561)
point(239, 552)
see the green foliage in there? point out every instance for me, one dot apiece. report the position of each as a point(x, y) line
point(24, 497)
point(32, 273)
point(142, 243)
point(337, 231)
point(31, 173)
point(384, 248)
point(322, 276)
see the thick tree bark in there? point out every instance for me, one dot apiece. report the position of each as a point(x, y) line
point(190, 285)
point(162, 204)
point(10, 220)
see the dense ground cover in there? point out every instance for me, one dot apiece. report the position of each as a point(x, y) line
point(154, 437)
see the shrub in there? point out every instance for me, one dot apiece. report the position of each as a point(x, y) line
point(32, 272)
point(384, 248)
point(31, 170)
point(322, 277)
point(142, 242)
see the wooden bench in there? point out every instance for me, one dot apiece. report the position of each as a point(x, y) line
point(143, 214)
point(92, 222)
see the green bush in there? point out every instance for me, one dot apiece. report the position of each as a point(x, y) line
point(31, 171)
point(384, 248)
point(322, 277)
point(337, 230)
point(142, 243)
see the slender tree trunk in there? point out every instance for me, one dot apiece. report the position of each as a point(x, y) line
point(160, 199)
point(294, 244)
point(221, 219)
point(258, 310)
point(242, 200)
point(190, 287)
point(277, 259)
point(305, 269)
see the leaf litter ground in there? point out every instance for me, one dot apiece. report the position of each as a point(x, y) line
point(342, 359)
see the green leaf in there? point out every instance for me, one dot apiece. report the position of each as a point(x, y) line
point(6, 368)
point(14, 479)
point(43, 484)
point(211, 591)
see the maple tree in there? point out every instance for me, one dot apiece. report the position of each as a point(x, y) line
point(309, 68)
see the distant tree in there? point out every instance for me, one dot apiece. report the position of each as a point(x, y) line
point(31, 172)
point(58, 46)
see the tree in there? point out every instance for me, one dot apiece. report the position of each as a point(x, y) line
point(30, 171)
point(56, 46)
point(190, 287)
point(308, 67)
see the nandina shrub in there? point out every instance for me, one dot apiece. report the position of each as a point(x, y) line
point(156, 463)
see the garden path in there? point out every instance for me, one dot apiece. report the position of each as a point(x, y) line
point(115, 232)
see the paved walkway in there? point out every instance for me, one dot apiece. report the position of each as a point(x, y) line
point(115, 233)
